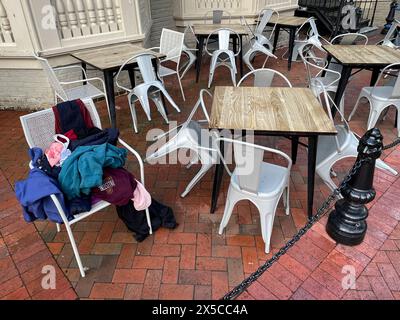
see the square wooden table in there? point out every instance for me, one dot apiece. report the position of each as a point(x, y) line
point(291, 24)
point(109, 60)
point(288, 112)
point(360, 57)
point(202, 31)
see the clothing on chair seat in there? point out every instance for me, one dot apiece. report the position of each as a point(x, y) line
point(34, 195)
point(117, 188)
point(83, 170)
point(97, 138)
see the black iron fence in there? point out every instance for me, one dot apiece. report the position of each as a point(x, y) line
point(329, 12)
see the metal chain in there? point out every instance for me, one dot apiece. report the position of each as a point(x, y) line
point(393, 144)
point(320, 213)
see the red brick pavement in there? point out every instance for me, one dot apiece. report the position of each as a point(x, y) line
point(193, 261)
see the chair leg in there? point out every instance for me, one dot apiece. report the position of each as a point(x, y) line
point(133, 114)
point(75, 250)
point(355, 107)
point(267, 221)
point(384, 166)
point(230, 204)
point(180, 84)
point(160, 107)
point(373, 119)
point(203, 170)
point(58, 227)
point(286, 200)
point(149, 221)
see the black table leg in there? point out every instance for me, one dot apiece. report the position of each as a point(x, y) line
point(219, 172)
point(200, 46)
point(241, 56)
point(292, 37)
point(346, 72)
point(276, 37)
point(131, 73)
point(295, 147)
point(375, 75)
point(109, 82)
point(312, 160)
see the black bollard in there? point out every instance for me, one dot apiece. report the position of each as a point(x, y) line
point(390, 17)
point(347, 223)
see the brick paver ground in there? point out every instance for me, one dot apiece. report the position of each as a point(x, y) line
point(193, 261)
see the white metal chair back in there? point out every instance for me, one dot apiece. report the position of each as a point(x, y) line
point(390, 36)
point(350, 39)
point(217, 16)
point(39, 127)
point(264, 78)
point(171, 44)
point(224, 35)
point(51, 75)
point(264, 17)
point(395, 93)
point(189, 37)
point(310, 61)
point(248, 159)
point(327, 102)
point(145, 64)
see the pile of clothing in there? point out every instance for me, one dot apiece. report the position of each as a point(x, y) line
point(82, 167)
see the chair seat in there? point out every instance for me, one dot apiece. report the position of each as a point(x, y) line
point(196, 135)
point(273, 180)
point(380, 93)
point(327, 144)
point(327, 80)
point(81, 92)
point(164, 71)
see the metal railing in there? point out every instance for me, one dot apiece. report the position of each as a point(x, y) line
point(329, 12)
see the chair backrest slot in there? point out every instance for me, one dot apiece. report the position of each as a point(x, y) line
point(171, 44)
point(52, 77)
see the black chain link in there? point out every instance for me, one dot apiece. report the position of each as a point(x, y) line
point(320, 213)
point(393, 144)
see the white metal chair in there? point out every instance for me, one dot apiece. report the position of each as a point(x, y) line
point(259, 43)
point(223, 56)
point(313, 37)
point(188, 50)
point(318, 73)
point(350, 39)
point(171, 44)
point(151, 87)
point(77, 89)
point(260, 182)
point(332, 149)
point(192, 135)
point(39, 131)
point(217, 16)
point(263, 78)
point(381, 97)
point(392, 40)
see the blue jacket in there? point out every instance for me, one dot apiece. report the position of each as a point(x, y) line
point(83, 170)
point(34, 196)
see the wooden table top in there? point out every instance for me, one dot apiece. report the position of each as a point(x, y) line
point(364, 55)
point(110, 57)
point(275, 110)
point(206, 29)
point(289, 21)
